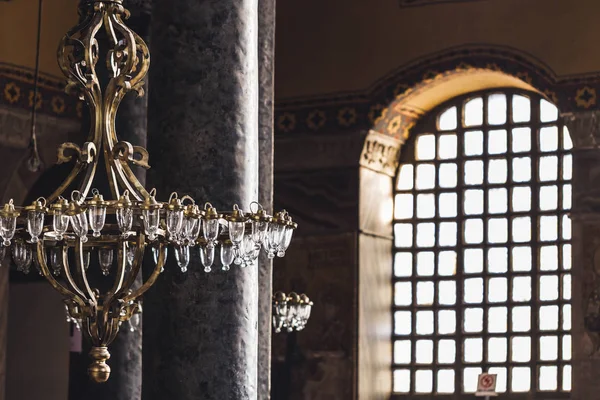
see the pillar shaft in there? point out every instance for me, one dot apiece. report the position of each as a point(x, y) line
point(266, 52)
point(200, 330)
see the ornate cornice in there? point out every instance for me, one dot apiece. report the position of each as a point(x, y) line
point(381, 153)
point(381, 107)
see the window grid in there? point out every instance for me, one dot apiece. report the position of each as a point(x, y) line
point(412, 374)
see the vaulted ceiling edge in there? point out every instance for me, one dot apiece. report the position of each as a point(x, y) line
point(379, 107)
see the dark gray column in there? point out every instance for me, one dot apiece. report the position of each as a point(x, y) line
point(266, 56)
point(200, 331)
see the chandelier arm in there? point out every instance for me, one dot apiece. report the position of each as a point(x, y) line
point(66, 293)
point(121, 264)
point(148, 284)
point(82, 272)
point(67, 270)
point(136, 265)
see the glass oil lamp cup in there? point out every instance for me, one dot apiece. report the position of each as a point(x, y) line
point(174, 218)
point(260, 224)
point(236, 222)
point(210, 226)
point(286, 237)
point(60, 219)
point(207, 256)
point(97, 213)
point(182, 256)
point(56, 260)
point(35, 218)
point(151, 215)
point(105, 256)
point(77, 215)
point(190, 229)
point(124, 214)
point(227, 254)
point(156, 254)
point(279, 311)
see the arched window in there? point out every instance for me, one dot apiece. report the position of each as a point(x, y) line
point(482, 252)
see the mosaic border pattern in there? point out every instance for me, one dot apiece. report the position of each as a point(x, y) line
point(379, 107)
point(16, 91)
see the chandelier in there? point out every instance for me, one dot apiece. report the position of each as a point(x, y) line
point(290, 312)
point(58, 233)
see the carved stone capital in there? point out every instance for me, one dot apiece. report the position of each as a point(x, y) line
point(381, 153)
point(584, 128)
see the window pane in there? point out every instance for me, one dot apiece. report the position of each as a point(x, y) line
point(498, 260)
point(425, 147)
point(446, 322)
point(497, 171)
point(425, 176)
point(548, 348)
point(566, 347)
point(521, 229)
point(470, 377)
point(473, 231)
point(447, 205)
point(548, 168)
point(566, 197)
point(548, 111)
point(473, 261)
point(521, 140)
point(549, 138)
point(473, 321)
point(402, 351)
point(474, 172)
point(445, 381)
point(548, 228)
point(425, 263)
point(567, 143)
point(521, 319)
point(522, 169)
point(521, 290)
point(403, 265)
point(566, 287)
point(567, 167)
point(402, 323)
point(548, 378)
point(473, 143)
point(497, 350)
point(497, 290)
point(498, 320)
point(549, 258)
point(403, 293)
point(548, 318)
point(425, 293)
point(447, 263)
point(447, 146)
point(473, 112)
point(521, 349)
point(448, 234)
point(402, 381)
point(500, 378)
point(548, 198)
point(498, 201)
point(566, 317)
point(403, 206)
point(448, 175)
point(566, 378)
point(446, 351)
point(424, 322)
point(521, 379)
point(447, 293)
point(497, 141)
point(473, 290)
point(521, 259)
point(498, 230)
point(425, 206)
point(426, 235)
point(521, 199)
point(424, 381)
point(424, 352)
point(405, 177)
point(473, 202)
point(548, 288)
point(521, 109)
point(473, 350)
point(448, 120)
point(403, 235)
point(497, 109)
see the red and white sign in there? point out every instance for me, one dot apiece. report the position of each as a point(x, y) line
point(486, 385)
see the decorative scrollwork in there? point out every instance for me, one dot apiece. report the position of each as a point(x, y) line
point(85, 155)
point(125, 151)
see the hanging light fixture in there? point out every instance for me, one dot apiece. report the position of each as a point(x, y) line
point(290, 312)
point(58, 233)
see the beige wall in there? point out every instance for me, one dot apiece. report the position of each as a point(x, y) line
point(327, 46)
point(18, 31)
point(38, 344)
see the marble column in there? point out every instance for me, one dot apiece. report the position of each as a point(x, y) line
point(125, 382)
point(585, 134)
point(200, 330)
point(266, 56)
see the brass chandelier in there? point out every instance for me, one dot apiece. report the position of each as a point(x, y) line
point(53, 233)
point(291, 312)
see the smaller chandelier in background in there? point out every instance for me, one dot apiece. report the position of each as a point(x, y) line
point(290, 312)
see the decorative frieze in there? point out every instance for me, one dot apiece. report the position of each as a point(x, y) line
point(381, 153)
